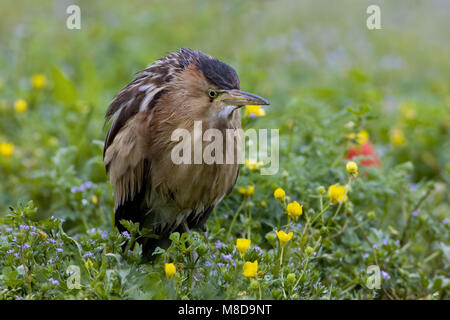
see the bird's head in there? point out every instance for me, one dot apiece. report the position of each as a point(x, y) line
point(207, 89)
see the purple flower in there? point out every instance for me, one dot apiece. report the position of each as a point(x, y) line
point(88, 255)
point(385, 242)
point(385, 275)
point(10, 251)
point(33, 233)
point(53, 281)
point(75, 189)
point(9, 230)
point(208, 264)
point(87, 185)
point(126, 234)
point(365, 256)
point(24, 227)
point(375, 246)
point(218, 244)
point(220, 264)
point(25, 246)
point(59, 249)
point(415, 213)
point(445, 221)
point(227, 256)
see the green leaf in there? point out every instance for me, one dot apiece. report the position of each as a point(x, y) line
point(63, 89)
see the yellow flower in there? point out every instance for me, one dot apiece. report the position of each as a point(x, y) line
point(337, 194)
point(6, 149)
point(252, 164)
point(88, 263)
point(397, 137)
point(42, 235)
point(284, 237)
point(352, 168)
point(170, 270)
point(38, 81)
point(20, 105)
point(407, 110)
point(294, 210)
point(247, 191)
point(360, 137)
point(250, 269)
point(242, 245)
point(94, 199)
point(263, 204)
point(255, 111)
point(279, 194)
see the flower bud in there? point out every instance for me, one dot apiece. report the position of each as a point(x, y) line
point(309, 250)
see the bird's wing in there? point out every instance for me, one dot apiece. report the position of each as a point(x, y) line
point(125, 152)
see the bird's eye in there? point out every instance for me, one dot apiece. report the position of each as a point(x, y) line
point(212, 93)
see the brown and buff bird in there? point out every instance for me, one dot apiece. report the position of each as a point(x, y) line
point(149, 188)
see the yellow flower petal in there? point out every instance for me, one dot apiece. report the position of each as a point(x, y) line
point(294, 210)
point(170, 270)
point(6, 149)
point(279, 194)
point(38, 81)
point(242, 245)
point(250, 269)
point(284, 237)
point(20, 106)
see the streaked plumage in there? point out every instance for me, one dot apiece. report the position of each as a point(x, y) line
point(148, 187)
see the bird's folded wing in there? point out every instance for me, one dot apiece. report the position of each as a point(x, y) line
point(125, 160)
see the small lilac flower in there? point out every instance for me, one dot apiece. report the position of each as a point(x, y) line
point(208, 264)
point(9, 230)
point(33, 233)
point(104, 234)
point(59, 249)
point(75, 189)
point(52, 240)
point(87, 185)
point(84, 202)
point(24, 227)
point(375, 246)
point(218, 244)
point(227, 256)
point(365, 256)
point(233, 264)
point(385, 275)
point(88, 255)
point(385, 242)
point(126, 234)
point(10, 251)
point(415, 213)
point(445, 221)
point(19, 298)
point(25, 246)
point(220, 264)
point(53, 281)
point(16, 254)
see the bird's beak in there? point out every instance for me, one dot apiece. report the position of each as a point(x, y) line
point(240, 98)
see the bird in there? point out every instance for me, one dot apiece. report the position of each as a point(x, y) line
point(149, 188)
